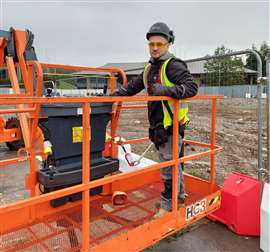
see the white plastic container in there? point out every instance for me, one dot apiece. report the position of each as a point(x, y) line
point(248, 95)
point(265, 219)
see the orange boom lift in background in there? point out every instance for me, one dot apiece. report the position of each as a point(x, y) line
point(92, 223)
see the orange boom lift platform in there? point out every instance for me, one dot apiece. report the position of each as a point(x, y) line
point(93, 223)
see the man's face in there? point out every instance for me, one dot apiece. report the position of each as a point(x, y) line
point(158, 45)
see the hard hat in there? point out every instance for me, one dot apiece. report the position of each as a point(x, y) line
point(162, 29)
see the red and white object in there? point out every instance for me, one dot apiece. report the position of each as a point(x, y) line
point(240, 205)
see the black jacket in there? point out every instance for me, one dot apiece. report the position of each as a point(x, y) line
point(177, 73)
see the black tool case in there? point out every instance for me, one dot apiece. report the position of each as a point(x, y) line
point(62, 126)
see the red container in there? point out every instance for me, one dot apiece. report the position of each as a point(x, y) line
point(240, 205)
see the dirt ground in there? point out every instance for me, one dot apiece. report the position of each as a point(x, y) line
point(236, 132)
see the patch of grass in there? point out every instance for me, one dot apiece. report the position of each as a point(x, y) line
point(192, 171)
point(65, 85)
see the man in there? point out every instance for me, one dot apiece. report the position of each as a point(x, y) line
point(164, 75)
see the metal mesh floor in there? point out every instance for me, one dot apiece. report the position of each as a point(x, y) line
point(62, 232)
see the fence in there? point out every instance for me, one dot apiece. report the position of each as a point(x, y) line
point(61, 92)
point(235, 91)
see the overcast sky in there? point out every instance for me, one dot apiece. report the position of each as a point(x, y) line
point(92, 33)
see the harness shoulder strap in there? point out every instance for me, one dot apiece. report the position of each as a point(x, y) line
point(168, 109)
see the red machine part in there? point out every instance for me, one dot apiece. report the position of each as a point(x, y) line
point(13, 123)
point(240, 205)
point(10, 133)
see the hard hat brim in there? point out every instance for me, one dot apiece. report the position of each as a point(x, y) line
point(150, 34)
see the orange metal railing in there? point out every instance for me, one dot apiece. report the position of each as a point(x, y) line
point(34, 202)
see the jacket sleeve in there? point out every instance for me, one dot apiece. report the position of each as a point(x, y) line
point(178, 74)
point(133, 87)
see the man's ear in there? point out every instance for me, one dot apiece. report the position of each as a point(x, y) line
point(172, 37)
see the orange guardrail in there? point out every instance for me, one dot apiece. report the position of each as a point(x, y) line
point(34, 206)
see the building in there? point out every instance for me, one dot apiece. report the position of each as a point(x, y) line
point(4, 77)
point(90, 79)
point(196, 69)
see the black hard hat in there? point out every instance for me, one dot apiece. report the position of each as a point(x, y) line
point(162, 29)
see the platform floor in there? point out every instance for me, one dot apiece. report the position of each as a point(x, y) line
point(62, 232)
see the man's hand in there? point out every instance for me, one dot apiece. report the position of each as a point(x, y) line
point(158, 90)
point(115, 93)
point(120, 92)
point(160, 136)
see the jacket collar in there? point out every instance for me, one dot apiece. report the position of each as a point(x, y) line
point(165, 56)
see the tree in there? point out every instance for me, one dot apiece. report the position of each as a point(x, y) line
point(224, 71)
point(251, 62)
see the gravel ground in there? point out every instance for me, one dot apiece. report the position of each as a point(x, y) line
point(236, 132)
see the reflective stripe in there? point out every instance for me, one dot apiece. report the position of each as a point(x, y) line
point(145, 74)
point(183, 110)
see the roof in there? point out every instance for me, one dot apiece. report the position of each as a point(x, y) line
point(85, 72)
point(135, 68)
point(247, 70)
